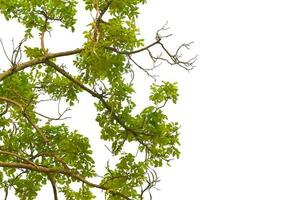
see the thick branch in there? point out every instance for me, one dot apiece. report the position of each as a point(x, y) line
point(36, 61)
point(18, 156)
point(59, 171)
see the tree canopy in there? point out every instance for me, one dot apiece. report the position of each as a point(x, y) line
point(36, 149)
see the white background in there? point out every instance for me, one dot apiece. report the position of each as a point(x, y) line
point(239, 108)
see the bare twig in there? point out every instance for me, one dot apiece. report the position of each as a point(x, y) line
point(152, 180)
point(134, 51)
point(143, 69)
point(17, 53)
point(60, 117)
point(4, 50)
point(171, 59)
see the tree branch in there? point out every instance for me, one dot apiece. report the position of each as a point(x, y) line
point(42, 59)
point(53, 184)
point(60, 117)
point(134, 51)
point(17, 156)
point(6, 193)
point(71, 174)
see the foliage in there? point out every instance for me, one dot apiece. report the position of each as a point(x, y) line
point(36, 148)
